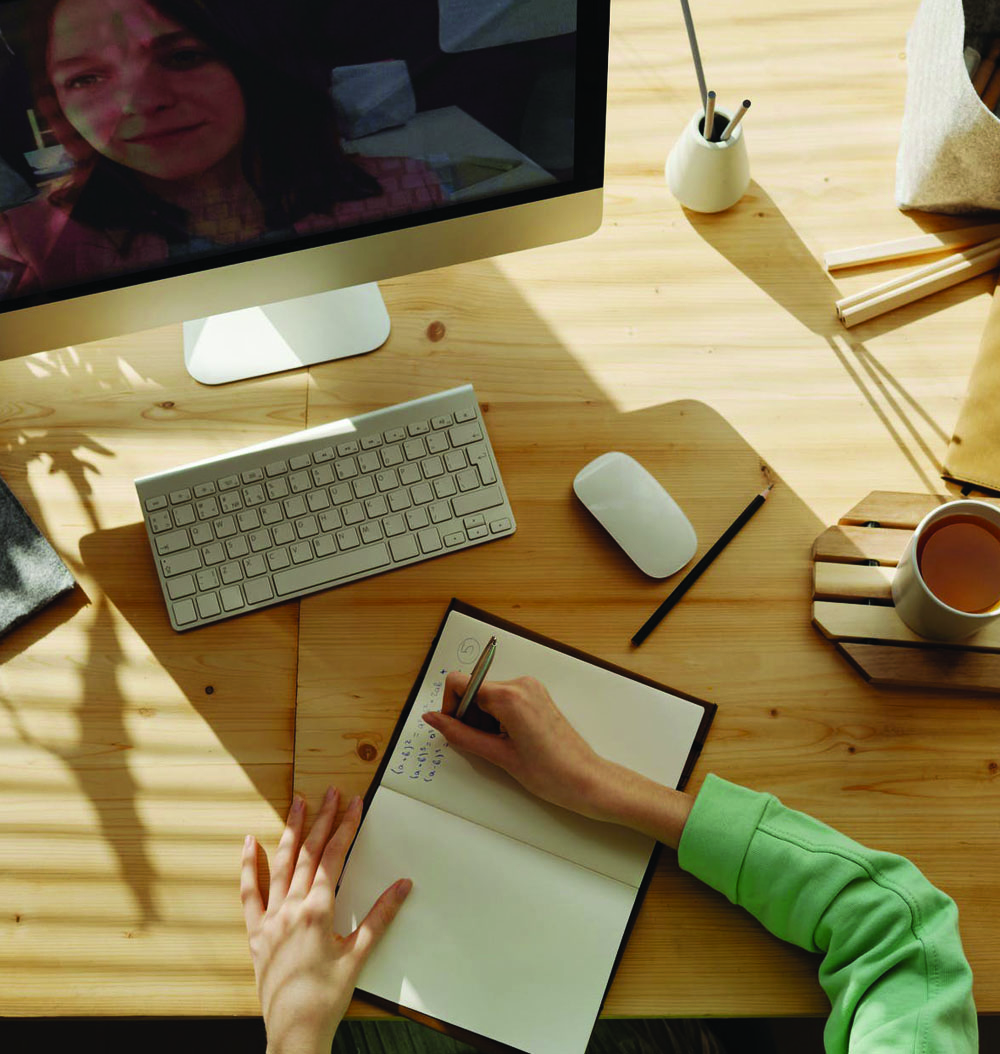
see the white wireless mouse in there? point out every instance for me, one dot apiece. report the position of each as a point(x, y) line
point(637, 512)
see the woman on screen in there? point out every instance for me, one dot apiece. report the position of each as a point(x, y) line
point(185, 142)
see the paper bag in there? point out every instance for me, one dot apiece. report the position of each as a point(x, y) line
point(950, 141)
point(974, 452)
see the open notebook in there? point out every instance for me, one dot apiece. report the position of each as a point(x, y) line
point(519, 909)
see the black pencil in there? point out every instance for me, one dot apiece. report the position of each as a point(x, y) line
point(692, 576)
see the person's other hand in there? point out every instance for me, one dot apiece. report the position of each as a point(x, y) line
point(536, 744)
point(306, 972)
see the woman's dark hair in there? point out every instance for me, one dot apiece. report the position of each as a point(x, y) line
point(291, 152)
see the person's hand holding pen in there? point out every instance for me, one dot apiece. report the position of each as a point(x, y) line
point(548, 757)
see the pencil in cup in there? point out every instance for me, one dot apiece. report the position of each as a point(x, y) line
point(868, 304)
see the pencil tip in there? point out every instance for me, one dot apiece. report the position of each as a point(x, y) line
point(746, 103)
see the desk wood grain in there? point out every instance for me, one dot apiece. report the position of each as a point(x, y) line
point(704, 345)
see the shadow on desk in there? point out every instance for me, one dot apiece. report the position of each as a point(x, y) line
point(757, 239)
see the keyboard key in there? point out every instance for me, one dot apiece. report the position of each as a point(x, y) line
point(417, 518)
point(306, 527)
point(258, 591)
point(430, 540)
point(503, 524)
point(208, 605)
point(184, 515)
point(440, 511)
point(276, 468)
point(295, 507)
point(349, 447)
point(348, 538)
point(370, 532)
point(237, 547)
point(300, 482)
point(454, 460)
point(476, 501)
point(324, 454)
point(399, 500)
point(160, 522)
point(393, 525)
point(201, 534)
point(230, 573)
point(330, 520)
point(408, 475)
point(320, 572)
point(317, 500)
point(252, 475)
point(208, 508)
point(300, 552)
point(364, 487)
point(232, 598)
point(474, 521)
point(277, 559)
point(369, 463)
point(178, 497)
point(394, 435)
point(404, 547)
point(454, 538)
point(182, 586)
point(283, 534)
point(432, 468)
point(249, 520)
point(184, 612)
point(418, 428)
point(213, 554)
point(323, 476)
point(437, 443)
point(415, 449)
point(260, 540)
point(324, 545)
point(392, 456)
point(181, 563)
point(445, 487)
point(299, 462)
point(277, 488)
point(341, 493)
point(208, 579)
point(442, 421)
point(159, 502)
point(254, 495)
point(270, 514)
point(467, 414)
point(254, 566)
point(387, 480)
point(173, 542)
point(347, 469)
point(476, 533)
point(202, 490)
point(376, 506)
point(462, 434)
point(421, 493)
point(231, 501)
point(370, 442)
point(467, 479)
point(353, 513)
point(228, 482)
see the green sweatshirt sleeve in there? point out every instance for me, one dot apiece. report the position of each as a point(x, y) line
point(893, 966)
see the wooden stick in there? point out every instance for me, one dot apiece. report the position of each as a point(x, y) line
point(912, 276)
point(969, 267)
point(734, 121)
point(985, 70)
point(709, 116)
point(915, 245)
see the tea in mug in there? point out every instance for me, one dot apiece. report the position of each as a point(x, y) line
point(959, 559)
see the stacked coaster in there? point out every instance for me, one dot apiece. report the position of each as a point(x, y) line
point(855, 561)
point(31, 574)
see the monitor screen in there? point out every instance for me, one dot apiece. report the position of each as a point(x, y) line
point(144, 139)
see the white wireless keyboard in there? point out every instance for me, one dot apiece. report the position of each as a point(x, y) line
point(323, 507)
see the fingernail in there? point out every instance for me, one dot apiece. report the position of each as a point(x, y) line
point(403, 886)
point(355, 803)
point(331, 793)
point(431, 716)
point(297, 803)
point(248, 841)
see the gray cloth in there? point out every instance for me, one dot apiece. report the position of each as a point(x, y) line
point(949, 142)
point(31, 574)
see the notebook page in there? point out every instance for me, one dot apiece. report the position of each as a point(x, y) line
point(495, 936)
point(633, 724)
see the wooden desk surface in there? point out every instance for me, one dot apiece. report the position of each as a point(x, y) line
point(133, 760)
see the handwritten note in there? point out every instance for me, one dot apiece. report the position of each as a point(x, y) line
point(421, 751)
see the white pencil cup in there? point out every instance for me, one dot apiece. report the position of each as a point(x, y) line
point(705, 176)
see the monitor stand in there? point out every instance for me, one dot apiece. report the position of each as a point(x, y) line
point(286, 335)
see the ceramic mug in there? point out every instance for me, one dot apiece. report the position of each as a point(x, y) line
point(922, 609)
point(706, 176)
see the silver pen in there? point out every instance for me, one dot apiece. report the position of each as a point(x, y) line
point(479, 672)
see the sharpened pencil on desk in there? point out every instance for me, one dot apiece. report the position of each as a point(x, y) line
point(695, 573)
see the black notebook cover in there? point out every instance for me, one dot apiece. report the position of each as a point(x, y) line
point(31, 574)
point(486, 1043)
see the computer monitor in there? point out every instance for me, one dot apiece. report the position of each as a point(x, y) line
point(252, 168)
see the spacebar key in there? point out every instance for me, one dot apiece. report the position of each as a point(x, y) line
point(329, 569)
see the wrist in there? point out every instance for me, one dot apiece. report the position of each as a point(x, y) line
point(621, 795)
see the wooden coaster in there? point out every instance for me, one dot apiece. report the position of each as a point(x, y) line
point(854, 564)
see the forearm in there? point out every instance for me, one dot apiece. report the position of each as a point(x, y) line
point(619, 795)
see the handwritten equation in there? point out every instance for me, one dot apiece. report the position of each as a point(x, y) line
point(421, 753)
